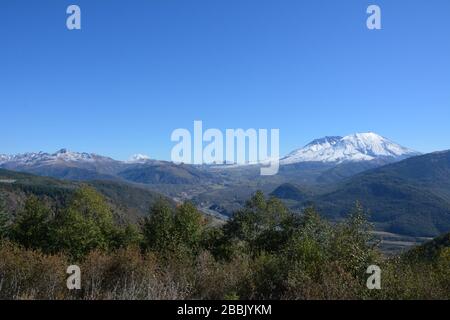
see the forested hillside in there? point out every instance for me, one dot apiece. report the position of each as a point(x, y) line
point(263, 252)
point(128, 202)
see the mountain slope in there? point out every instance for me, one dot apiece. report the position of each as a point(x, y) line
point(68, 173)
point(324, 160)
point(166, 173)
point(43, 158)
point(76, 166)
point(288, 191)
point(409, 197)
point(430, 250)
point(352, 148)
point(63, 164)
point(129, 202)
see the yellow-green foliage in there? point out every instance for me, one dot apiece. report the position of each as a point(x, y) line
point(263, 252)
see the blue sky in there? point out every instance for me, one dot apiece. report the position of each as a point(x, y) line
point(139, 69)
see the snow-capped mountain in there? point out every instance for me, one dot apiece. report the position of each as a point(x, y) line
point(66, 164)
point(43, 158)
point(138, 158)
point(4, 158)
point(352, 148)
point(362, 151)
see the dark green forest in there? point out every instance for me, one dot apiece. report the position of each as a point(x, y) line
point(264, 251)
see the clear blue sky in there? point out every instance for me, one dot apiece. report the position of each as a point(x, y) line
point(140, 69)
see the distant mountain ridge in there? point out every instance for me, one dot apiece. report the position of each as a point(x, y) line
point(352, 148)
point(410, 197)
point(82, 166)
point(42, 158)
point(355, 147)
point(63, 164)
point(322, 161)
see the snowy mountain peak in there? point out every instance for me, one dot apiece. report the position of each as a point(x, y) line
point(327, 141)
point(4, 158)
point(66, 155)
point(138, 158)
point(355, 147)
point(62, 151)
point(41, 158)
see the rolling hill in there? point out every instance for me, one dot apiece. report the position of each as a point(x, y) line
point(289, 191)
point(430, 250)
point(128, 202)
point(410, 197)
point(166, 173)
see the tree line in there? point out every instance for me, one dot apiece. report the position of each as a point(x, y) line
point(264, 251)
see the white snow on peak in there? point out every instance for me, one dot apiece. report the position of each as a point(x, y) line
point(4, 158)
point(63, 155)
point(356, 147)
point(138, 158)
point(66, 155)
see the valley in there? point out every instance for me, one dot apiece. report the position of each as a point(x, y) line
point(407, 195)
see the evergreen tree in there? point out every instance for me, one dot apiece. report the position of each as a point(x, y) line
point(32, 227)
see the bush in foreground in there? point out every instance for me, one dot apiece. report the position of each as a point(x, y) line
point(263, 252)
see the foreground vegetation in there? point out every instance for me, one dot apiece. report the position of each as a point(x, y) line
point(263, 252)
